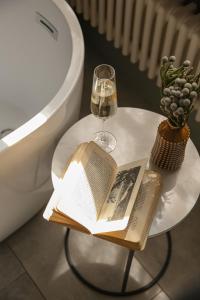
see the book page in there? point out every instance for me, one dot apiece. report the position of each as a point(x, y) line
point(117, 208)
point(144, 208)
point(100, 169)
point(136, 233)
point(52, 204)
point(86, 184)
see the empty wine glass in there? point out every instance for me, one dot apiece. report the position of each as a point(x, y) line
point(104, 103)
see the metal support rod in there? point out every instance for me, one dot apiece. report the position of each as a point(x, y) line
point(127, 270)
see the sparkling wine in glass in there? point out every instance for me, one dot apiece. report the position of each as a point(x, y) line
point(104, 103)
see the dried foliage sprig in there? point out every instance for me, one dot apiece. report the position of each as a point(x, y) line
point(180, 89)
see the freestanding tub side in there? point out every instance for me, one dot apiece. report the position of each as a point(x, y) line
point(26, 153)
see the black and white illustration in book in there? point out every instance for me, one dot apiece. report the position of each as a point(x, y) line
point(122, 190)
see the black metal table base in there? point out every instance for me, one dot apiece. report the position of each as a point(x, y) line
point(123, 291)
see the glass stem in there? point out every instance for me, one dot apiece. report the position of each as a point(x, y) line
point(103, 136)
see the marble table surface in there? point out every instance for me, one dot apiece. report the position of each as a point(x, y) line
point(135, 130)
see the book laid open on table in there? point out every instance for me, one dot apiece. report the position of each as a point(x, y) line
point(98, 197)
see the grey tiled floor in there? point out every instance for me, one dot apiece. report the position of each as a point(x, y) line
point(40, 248)
point(32, 260)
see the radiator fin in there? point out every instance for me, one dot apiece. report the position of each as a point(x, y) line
point(110, 22)
point(102, 16)
point(137, 26)
point(93, 13)
point(146, 35)
point(86, 10)
point(128, 17)
point(118, 23)
point(79, 6)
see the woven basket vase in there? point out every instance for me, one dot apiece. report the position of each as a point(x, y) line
point(169, 148)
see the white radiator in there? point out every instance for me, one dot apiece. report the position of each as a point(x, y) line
point(146, 30)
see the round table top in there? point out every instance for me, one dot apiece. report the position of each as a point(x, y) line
point(135, 130)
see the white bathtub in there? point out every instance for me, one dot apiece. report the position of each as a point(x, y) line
point(41, 74)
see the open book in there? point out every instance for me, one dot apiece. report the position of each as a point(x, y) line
point(96, 196)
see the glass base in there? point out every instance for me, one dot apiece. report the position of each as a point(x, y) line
point(105, 140)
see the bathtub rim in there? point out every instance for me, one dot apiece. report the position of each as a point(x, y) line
point(72, 76)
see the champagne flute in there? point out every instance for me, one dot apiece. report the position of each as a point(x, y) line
point(104, 103)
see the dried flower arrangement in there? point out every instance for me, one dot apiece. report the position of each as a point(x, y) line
point(180, 89)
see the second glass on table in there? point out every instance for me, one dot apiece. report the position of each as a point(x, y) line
point(104, 103)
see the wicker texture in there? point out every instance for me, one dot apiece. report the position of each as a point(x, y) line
point(168, 154)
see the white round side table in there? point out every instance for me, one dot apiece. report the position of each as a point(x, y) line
point(135, 131)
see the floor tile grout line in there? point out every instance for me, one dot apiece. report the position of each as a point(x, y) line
point(162, 290)
point(7, 286)
point(140, 262)
point(156, 295)
point(25, 271)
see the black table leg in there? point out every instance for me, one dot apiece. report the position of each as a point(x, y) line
point(126, 274)
point(127, 270)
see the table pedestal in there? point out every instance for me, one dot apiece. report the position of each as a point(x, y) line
point(123, 291)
